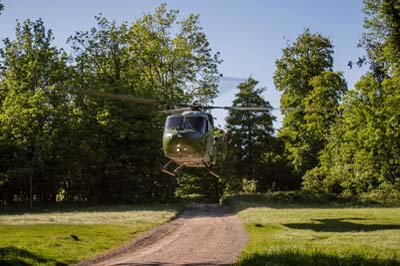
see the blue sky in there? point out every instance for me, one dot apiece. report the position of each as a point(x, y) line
point(249, 34)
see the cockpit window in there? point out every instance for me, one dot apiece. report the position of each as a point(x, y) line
point(174, 122)
point(195, 123)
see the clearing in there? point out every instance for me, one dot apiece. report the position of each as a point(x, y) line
point(280, 232)
point(62, 235)
point(295, 233)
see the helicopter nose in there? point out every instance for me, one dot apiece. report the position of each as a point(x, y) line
point(183, 144)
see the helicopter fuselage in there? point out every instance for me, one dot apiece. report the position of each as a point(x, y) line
point(188, 139)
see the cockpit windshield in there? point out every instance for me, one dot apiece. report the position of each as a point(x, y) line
point(195, 123)
point(179, 122)
point(174, 122)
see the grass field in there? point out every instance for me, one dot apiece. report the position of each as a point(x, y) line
point(317, 234)
point(61, 236)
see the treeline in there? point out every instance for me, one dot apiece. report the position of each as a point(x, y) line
point(361, 151)
point(334, 141)
point(59, 142)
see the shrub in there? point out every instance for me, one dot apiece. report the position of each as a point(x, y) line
point(249, 186)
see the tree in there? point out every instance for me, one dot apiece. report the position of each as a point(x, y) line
point(155, 57)
point(320, 111)
point(180, 65)
point(363, 148)
point(171, 59)
point(250, 133)
point(116, 144)
point(1, 7)
point(32, 110)
point(362, 155)
point(382, 38)
point(310, 95)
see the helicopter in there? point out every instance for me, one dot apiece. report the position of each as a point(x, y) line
point(189, 138)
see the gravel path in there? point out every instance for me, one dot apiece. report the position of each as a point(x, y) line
point(204, 234)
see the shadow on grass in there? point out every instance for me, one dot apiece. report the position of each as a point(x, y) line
point(13, 256)
point(340, 225)
point(289, 258)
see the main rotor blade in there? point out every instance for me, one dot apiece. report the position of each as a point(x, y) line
point(261, 109)
point(178, 110)
point(122, 97)
point(240, 108)
point(232, 79)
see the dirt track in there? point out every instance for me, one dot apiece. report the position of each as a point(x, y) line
point(204, 234)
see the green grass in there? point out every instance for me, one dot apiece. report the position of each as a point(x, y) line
point(46, 235)
point(290, 233)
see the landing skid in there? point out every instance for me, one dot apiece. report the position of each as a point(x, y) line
point(164, 169)
point(210, 171)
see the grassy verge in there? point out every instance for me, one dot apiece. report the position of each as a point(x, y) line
point(61, 236)
point(290, 233)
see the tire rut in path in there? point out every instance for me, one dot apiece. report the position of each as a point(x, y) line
point(204, 234)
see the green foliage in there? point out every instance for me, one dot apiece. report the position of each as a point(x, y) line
point(32, 114)
point(385, 196)
point(156, 56)
point(252, 149)
point(58, 142)
point(362, 156)
point(199, 182)
point(363, 150)
point(147, 59)
point(249, 186)
point(110, 142)
point(382, 38)
point(385, 193)
point(277, 198)
point(311, 92)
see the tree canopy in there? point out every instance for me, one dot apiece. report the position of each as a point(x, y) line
point(250, 133)
point(311, 92)
point(362, 155)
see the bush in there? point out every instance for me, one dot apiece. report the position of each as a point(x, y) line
point(386, 193)
point(313, 180)
point(249, 186)
point(296, 196)
point(198, 181)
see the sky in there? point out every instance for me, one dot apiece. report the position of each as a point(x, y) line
point(249, 34)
